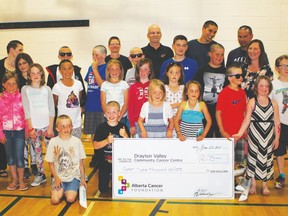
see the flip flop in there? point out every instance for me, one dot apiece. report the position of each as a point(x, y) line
point(12, 186)
point(3, 174)
point(24, 188)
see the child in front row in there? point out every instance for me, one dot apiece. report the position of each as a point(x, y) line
point(156, 116)
point(263, 123)
point(12, 130)
point(65, 154)
point(103, 139)
point(230, 110)
point(191, 113)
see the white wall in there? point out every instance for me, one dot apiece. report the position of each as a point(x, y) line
point(129, 19)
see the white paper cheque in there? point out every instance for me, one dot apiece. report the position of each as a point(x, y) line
point(168, 168)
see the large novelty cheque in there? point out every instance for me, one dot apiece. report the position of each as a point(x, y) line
point(168, 168)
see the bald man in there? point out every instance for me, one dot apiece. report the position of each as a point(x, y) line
point(155, 51)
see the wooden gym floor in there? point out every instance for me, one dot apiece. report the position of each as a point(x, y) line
point(36, 200)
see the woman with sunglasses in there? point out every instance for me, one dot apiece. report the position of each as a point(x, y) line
point(256, 64)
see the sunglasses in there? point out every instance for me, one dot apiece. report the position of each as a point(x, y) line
point(139, 55)
point(67, 54)
point(237, 76)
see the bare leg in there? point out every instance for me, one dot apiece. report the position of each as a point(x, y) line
point(56, 196)
point(12, 185)
point(280, 163)
point(265, 189)
point(20, 172)
point(253, 186)
point(71, 196)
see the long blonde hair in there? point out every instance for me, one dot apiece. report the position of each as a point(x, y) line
point(109, 65)
point(154, 83)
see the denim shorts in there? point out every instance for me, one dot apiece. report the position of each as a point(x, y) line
point(14, 146)
point(73, 185)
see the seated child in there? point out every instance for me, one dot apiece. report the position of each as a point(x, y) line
point(103, 139)
point(65, 154)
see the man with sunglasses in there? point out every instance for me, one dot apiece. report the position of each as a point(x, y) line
point(155, 51)
point(135, 55)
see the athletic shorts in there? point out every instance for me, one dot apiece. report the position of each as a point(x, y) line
point(283, 141)
point(91, 121)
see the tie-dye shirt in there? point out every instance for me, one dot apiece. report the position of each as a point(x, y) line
point(11, 112)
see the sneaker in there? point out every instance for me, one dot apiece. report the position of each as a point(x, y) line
point(27, 173)
point(280, 182)
point(34, 169)
point(39, 178)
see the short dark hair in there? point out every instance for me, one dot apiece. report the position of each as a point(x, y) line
point(13, 44)
point(179, 37)
point(245, 27)
point(114, 38)
point(63, 47)
point(209, 22)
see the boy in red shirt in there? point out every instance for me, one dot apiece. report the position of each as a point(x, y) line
point(230, 110)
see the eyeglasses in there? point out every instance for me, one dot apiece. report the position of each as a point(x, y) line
point(283, 66)
point(237, 76)
point(139, 55)
point(23, 63)
point(114, 44)
point(67, 54)
point(154, 33)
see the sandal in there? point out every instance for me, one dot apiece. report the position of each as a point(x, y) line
point(12, 186)
point(24, 187)
point(3, 174)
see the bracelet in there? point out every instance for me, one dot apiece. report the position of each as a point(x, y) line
point(30, 129)
point(178, 131)
point(169, 129)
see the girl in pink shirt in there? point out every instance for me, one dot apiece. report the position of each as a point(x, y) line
point(12, 130)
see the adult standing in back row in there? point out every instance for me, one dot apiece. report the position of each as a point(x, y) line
point(238, 55)
point(114, 45)
point(199, 48)
point(155, 51)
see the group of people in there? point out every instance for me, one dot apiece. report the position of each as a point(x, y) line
point(153, 93)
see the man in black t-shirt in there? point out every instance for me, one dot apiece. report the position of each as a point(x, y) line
point(155, 51)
